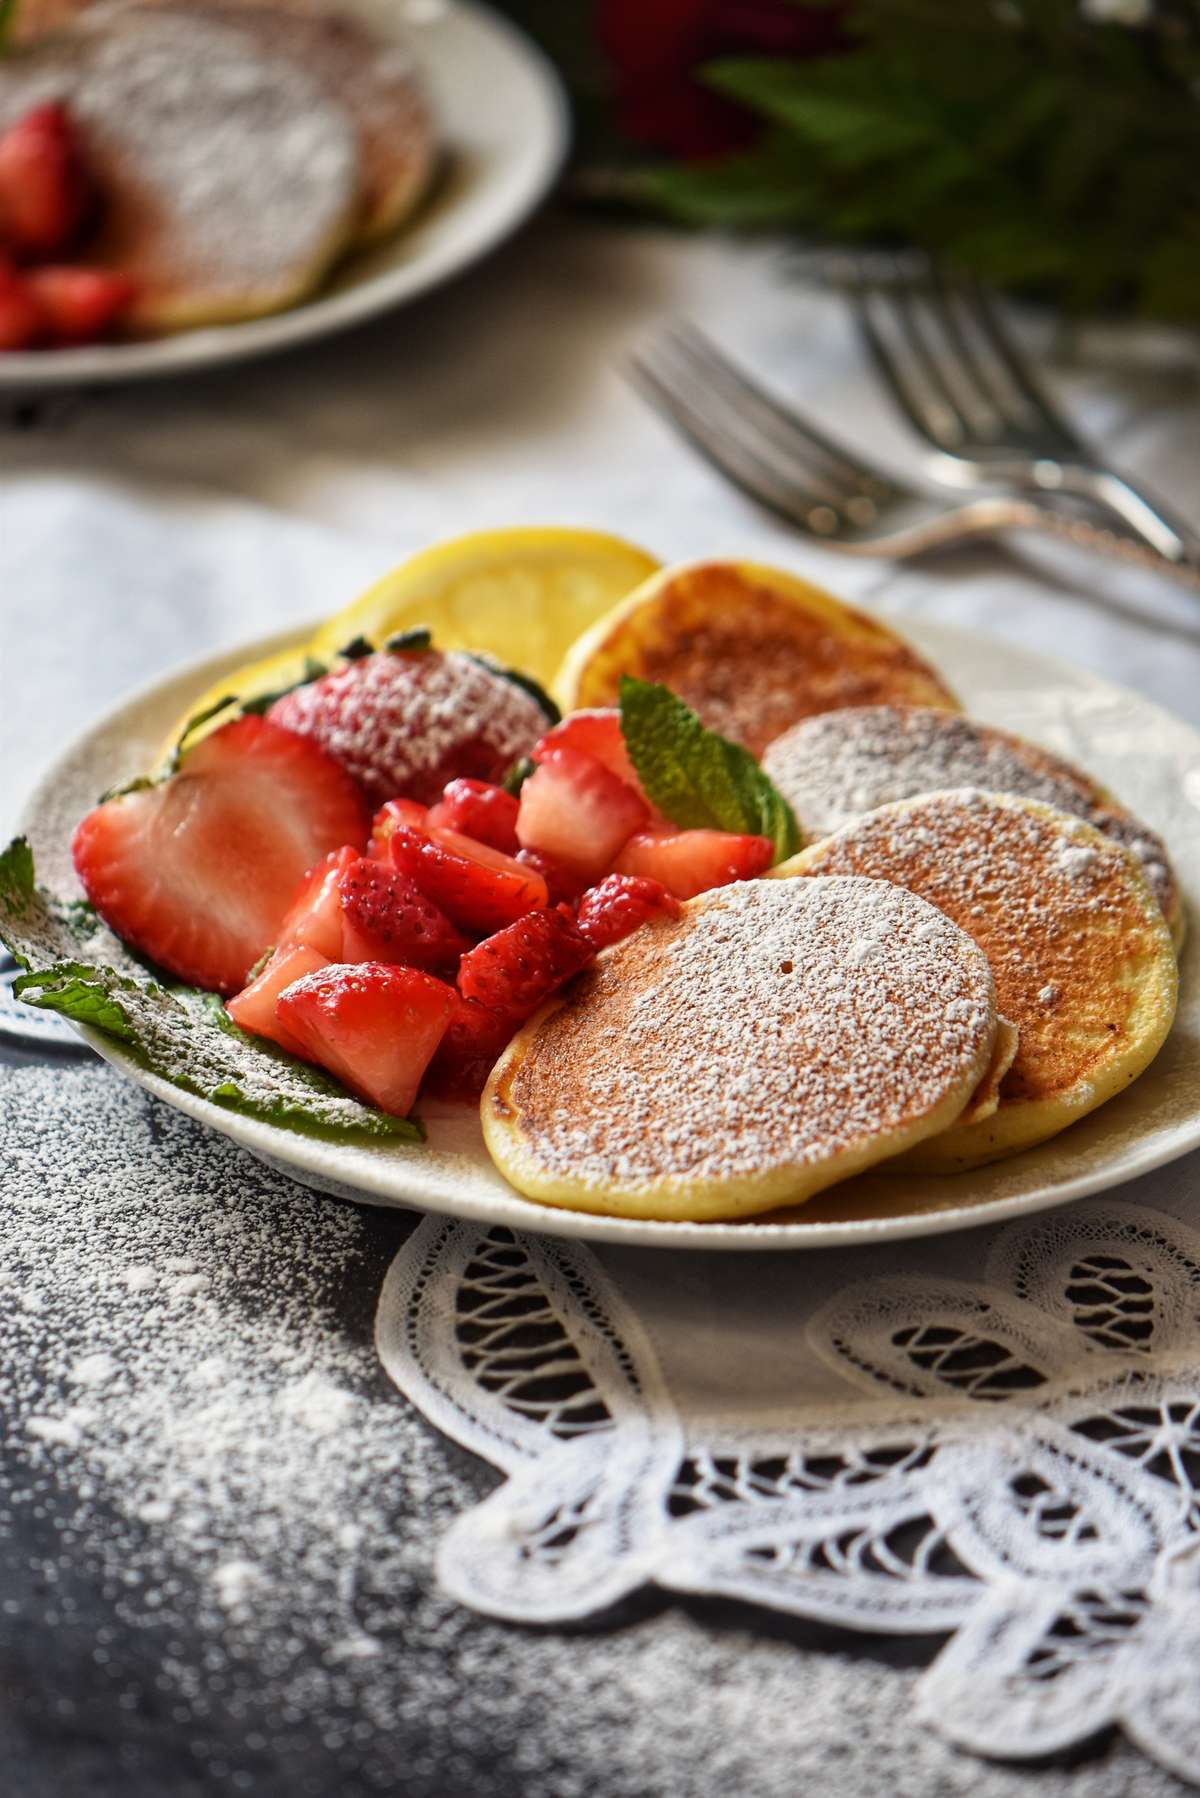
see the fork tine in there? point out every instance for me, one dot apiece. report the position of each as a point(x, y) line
point(991, 399)
point(844, 476)
point(740, 465)
point(944, 382)
point(936, 425)
point(980, 309)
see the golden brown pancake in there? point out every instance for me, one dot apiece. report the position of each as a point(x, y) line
point(751, 649)
point(230, 177)
point(776, 1037)
point(842, 764)
point(1077, 943)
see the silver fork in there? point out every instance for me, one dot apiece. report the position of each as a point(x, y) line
point(965, 387)
point(773, 454)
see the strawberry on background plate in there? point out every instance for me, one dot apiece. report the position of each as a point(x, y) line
point(688, 862)
point(576, 810)
point(374, 1026)
point(197, 871)
point(43, 184)
point(405, 722)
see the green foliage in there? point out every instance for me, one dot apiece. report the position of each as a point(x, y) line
point(699, 780)
point(1017, 140)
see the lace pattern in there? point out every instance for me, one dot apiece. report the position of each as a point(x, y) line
point(1013, 1461)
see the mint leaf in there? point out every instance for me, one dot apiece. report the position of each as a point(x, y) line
point(75, 966)
point(700, 780)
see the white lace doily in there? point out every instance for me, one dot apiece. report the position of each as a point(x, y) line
point(993, 1436)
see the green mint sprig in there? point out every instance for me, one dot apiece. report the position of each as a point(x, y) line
point(699, 780)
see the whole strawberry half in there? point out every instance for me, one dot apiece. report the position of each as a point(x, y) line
point(407, 722)
point(198, 871)
point(386, 917)
point(43, 183)
point(372, 1026)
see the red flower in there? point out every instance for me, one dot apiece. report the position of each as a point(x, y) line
point(656, 48)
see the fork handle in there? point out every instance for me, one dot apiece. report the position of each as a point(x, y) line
point(1152, 522)
point(987, 517)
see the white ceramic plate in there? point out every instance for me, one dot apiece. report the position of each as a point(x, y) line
point(1150, 759)
point(503, 120)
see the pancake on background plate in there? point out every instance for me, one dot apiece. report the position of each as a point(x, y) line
point(749, 648)
point(776, 1037)
point(837, 766)
point(1080, 951)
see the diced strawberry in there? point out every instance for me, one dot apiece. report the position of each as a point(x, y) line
point(575, 809)
point(386, 917)
point(43, 187)
point(22, 321)
point(389, 817)
point(478, 888)
point(477, 809)
point(254, 1007)
point(314, 918)
point(79, 304)
point(408, 721)
point(621, 904)
point(563, 884)
point(197, 871)
point(373, 1026)
point(688, 862)
point(596, 731)
point(468, 1052)
point(514, 970)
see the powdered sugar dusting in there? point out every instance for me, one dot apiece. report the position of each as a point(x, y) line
point(405, 724)
point(835, 767)
point(773, 1025)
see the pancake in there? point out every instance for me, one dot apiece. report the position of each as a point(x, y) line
point(1077, 943)
point(776, 1037)
point(230, 177)
point(749, 648)
point(842, 764)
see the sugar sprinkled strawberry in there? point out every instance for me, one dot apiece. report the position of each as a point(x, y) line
point(406, 722)
point(513, 971)
point(479, 809)
point(197, 871)
point(373, 1026)
point(621, 904)
point(478, 888)
point(575, 809)
point(688, 862)
point(386, 917)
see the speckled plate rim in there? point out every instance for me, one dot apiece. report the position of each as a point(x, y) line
point(1155, 1122)
point(505, 122)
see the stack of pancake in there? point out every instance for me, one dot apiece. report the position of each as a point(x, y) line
point(238, 147)
point(976, 948)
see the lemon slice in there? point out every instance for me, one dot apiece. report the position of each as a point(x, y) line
point(521, 595)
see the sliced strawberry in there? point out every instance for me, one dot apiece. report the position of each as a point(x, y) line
point(389, 817)
point(79, 304)
point(386, 917)
point(478, 809)
point(254, 1007)
point(514, 970)
point(43, 186)
point(621, 904)
point(373, 1026)
point(478, 888)
point(563, 884)
point(197, 871)
point(575, 809)
point(468, 1052)
point(688, 862)
point(22, 321)
point(314, 918)
point(597, 732)
point(409, 721)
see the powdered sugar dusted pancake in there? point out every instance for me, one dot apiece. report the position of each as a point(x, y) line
point(842, 764)
point(751, 649)
point(1079, 948)
point(777, 1037)
point(230, 177)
